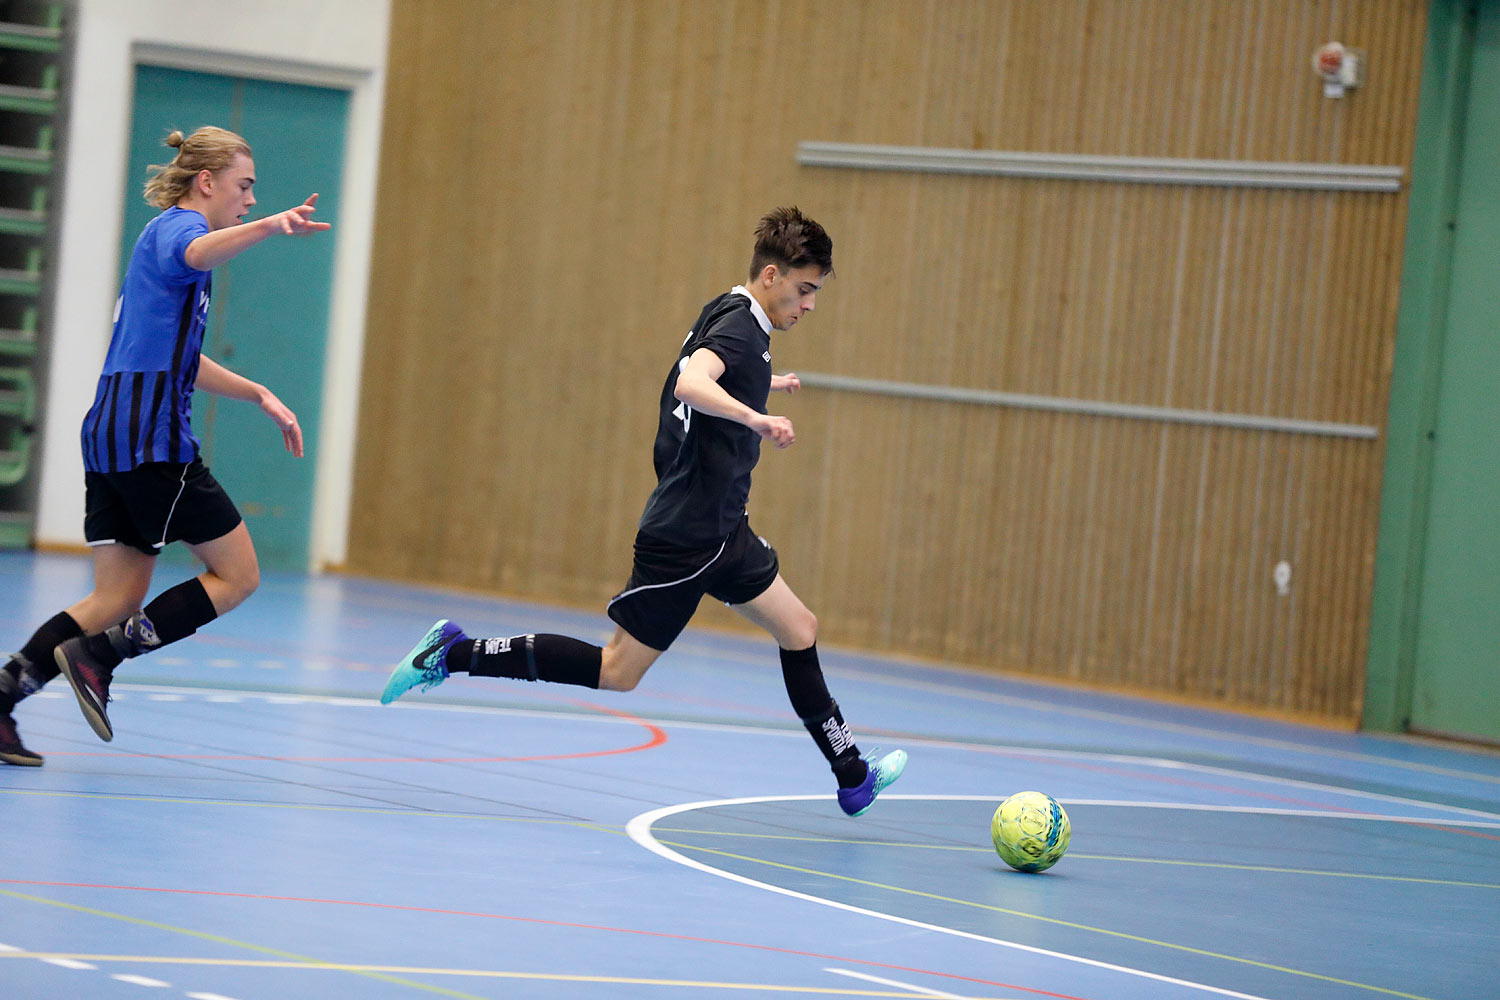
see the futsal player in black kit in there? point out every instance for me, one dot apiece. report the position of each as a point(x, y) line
point(695, 537)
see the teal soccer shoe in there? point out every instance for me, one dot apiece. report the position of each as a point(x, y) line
point(424, 667)
point(883, 773)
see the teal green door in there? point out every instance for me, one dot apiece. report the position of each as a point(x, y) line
point(269, 315)
point(1456, 687)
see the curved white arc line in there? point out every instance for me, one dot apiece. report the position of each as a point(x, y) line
point(639, 830)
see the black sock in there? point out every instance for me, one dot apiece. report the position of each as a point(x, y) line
point(34, 666)
point(175, 614)
point(820, 714)
point(541, 657)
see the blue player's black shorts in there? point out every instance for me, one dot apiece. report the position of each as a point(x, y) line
point(667, 582)
point(156, 503)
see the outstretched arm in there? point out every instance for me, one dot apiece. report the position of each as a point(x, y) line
point(698, 386)
point(212, 249)
point(215, 378)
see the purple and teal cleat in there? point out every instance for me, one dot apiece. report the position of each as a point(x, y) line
point(883, 773)
point(425, 666)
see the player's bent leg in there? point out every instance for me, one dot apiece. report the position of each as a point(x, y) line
point(233, 569)
point(557, 659)
point(861, 777)
point(89, 661)
point(624, 662)
point(782, 613)
point(122, 575)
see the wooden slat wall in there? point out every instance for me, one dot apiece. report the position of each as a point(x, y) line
point(565, 182)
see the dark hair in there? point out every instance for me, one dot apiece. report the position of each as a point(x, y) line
point(789, 239)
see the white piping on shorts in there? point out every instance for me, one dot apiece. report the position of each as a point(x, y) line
point(181, 486)
point(672, 583)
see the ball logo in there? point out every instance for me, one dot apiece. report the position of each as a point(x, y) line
point(1031, 831)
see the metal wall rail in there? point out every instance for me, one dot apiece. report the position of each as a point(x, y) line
point(1059, 404)
point(1130, 169)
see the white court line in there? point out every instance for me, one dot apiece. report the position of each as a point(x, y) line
point(697, 643)
point(126, 977)
point(68, 963)
point(896, 983)
point(639, 830)
point(1167, 763)
point(208, 996)
point(1120, 717)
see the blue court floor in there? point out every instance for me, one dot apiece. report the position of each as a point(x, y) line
point(262, 828)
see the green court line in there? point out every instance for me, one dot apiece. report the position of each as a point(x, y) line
point(1272, 869)
point(377, 972)
point(1053, 920)
point(293, 960)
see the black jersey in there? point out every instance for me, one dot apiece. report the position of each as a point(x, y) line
point(703, 463)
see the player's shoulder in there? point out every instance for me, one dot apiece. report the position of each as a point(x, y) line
point(176, 220)
point(729, 312)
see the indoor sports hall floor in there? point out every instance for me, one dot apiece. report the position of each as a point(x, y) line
point(261, 828)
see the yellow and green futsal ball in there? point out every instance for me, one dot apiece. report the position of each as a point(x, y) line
point(1030, 831)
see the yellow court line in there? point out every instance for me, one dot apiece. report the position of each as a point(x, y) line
point(376, 971)
point(1053, 920)
point(1271, 869)
point(1290, 871)
point(295, 959)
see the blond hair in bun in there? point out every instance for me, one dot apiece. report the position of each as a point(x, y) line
point(208, 148)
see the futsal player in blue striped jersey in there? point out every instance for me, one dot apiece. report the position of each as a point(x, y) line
point(695, 537)
point(145, 485)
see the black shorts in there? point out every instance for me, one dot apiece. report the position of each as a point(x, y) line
point(154, 504)
point(667, 582)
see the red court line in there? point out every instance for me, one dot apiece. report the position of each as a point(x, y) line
point(657, 738)
point(548, 923)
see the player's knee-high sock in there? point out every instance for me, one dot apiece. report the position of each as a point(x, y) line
point(33, 666)
point(539, 657)
point(820, 714)
point(174, 614)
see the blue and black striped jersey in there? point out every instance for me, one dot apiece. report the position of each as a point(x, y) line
point(143, 406)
